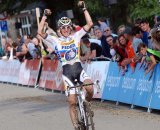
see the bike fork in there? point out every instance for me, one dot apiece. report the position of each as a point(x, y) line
point(82, 111)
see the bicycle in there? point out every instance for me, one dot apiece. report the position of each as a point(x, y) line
point(84, 112)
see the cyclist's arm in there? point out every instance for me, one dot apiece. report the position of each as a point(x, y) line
point(89, 22)
point(85, 28)
point(41, 26)
point(51, 40)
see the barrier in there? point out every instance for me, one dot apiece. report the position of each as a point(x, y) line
point(98, 71)
point(26, 73)
point(29, 70)
point(111, 88)
point(133, 88)
point(9, 71)
point(143, 88)
point(155, 97)
point(51, 75)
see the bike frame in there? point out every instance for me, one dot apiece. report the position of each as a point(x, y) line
point(81, 98)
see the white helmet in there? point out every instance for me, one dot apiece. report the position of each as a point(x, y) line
point(64, 21)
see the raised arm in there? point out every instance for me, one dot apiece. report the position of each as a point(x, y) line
point(42, 23)
point(89, 22)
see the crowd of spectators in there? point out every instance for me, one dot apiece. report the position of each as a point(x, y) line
point(129, 45)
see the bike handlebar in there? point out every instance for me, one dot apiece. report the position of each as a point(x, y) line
point(82, 85)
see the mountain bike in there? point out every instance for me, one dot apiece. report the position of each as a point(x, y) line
point(84, 111)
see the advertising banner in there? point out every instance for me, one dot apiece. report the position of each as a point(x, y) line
point(155, 98)
point(98, 70)
point(29, 72)
point(112, 85)
point(9, 71)
point(144, 88)
point(127, 86)
point(33, 66)
point(51, 75)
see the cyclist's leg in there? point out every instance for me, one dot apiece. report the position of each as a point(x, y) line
point(73, 110)
point(72, 101)
point(89, 89)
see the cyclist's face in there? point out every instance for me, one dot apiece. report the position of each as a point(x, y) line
point(65, 30)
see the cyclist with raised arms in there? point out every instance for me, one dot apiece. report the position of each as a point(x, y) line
point(67, 48)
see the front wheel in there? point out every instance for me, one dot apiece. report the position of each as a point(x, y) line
point(89, 116)
point(85, 117)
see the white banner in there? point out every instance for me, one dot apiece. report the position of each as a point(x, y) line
point(98, 70)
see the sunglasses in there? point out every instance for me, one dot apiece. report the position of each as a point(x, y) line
point(65, 27)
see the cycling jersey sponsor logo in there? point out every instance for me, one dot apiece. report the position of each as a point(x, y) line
point(70, 54)
point(68, 47)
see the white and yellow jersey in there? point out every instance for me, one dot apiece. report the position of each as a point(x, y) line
point(68, 48)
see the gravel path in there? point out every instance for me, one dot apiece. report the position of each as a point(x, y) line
point(25, 108)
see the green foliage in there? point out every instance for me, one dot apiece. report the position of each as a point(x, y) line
point(144, 8)
point(95, 7)
point(7, 5)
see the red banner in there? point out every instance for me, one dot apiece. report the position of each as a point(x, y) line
point(33, 66)
point(29, 72)
point(51, 75)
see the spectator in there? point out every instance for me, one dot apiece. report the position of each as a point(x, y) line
point(108, 32)
point(144, 24)
point(121, 29)
point(105, 46)
point(33, 51)
point(156, 19)
point(8, 47)
point(95, 50)
point(102, 24)
point(137, 32)
point(110, 41)
point(154, 56)
point(36, 42)
point(129, 35)
point(2, 49)
point(21, 49)
point(126, 51)
point(112, 44)
point(138, 22)
point(155, 38)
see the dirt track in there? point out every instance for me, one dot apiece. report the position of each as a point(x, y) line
point(25, 108)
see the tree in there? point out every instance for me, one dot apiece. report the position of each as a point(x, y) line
point(144, 8)
point(14, 5)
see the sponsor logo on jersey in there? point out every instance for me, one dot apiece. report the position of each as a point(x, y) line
point(68, 46)
point(70, 54)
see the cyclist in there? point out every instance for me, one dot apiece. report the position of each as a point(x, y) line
point(67, 49)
